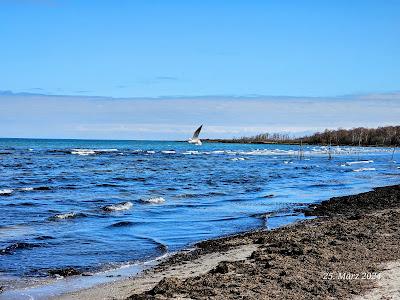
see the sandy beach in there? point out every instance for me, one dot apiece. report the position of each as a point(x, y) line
point(349, 251)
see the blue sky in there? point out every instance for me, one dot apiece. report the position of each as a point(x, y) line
point(160, 48)
point(317, 50)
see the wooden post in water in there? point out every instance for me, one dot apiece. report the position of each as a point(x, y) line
point(301, 154)
point(330, 149)
point(394, 149)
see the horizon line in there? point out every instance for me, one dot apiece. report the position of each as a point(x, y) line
point(206, 96)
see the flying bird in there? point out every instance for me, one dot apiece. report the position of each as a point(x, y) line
point(195, 139)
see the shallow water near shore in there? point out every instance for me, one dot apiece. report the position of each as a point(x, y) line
point(100, 205)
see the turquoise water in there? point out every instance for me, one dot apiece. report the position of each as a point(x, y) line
point(95, 205)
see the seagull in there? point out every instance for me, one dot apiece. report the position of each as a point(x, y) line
point(195, 139)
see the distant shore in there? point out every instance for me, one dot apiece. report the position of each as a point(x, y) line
point(350, 249)
point(239, 141)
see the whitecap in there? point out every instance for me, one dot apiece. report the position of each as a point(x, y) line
point(6, 191)
point(150, 152)
point(155, 200)
point(169, 151)
point(26, 189)
point(91, 151)
point(83, 152)
point(364, 169)
point(218, 151)
point(237, 158)
point(358, 162)
point(191, 152)
point(120, 206)
point(69, 215)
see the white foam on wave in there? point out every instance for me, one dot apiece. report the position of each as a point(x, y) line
point(82, 152)
point(192, 153)
point(168, 151)
point(155, 200)
point(69, 215)
point(120, 206)
point(349, 163)
point(91, 151)
point(6, 191)
point(364, 169)
point(26, 189)
point(150, 152)
point(237, 158)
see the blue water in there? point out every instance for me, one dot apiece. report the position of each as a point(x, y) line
point(58, 198)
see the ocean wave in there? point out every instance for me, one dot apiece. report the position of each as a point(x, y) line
point(192, 153)
point(70, 215)
point(6, 192)
point(83, 152)
point(91, 151)
point(11, 249)
point(23, 204)
point(44, 238)
point(27, 189)
point(237, 158)
point(159, 245)
point(5, 153)
point(200, 195)
point(42, 188)
point(107, 185)
point(117, 207)
point(122, 224)
point(168, 151)
point(349, 163)
point(364, 169)
point(155, 200)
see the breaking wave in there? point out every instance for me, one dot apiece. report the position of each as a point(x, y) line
point(70, 215)
point(156, 200)
point(6, 192)
point(11, 249)
point(364, 169)
point(117, 207)
point(358, 162)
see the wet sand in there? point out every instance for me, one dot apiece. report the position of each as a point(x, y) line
point(351, 250)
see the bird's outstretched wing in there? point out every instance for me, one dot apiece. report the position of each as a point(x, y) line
point(197, 132)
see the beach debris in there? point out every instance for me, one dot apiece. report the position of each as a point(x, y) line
point(64, 272)
point(167, 286)
point(223, 267)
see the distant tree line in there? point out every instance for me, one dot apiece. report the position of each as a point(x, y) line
point(381, 136)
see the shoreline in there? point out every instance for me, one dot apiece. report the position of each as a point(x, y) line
point(351, 236)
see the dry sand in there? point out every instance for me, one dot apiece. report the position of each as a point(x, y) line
point(351, 251)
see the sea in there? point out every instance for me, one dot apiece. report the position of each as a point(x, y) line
point(97, 205)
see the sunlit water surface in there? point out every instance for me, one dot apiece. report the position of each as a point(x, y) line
point(96, 205)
